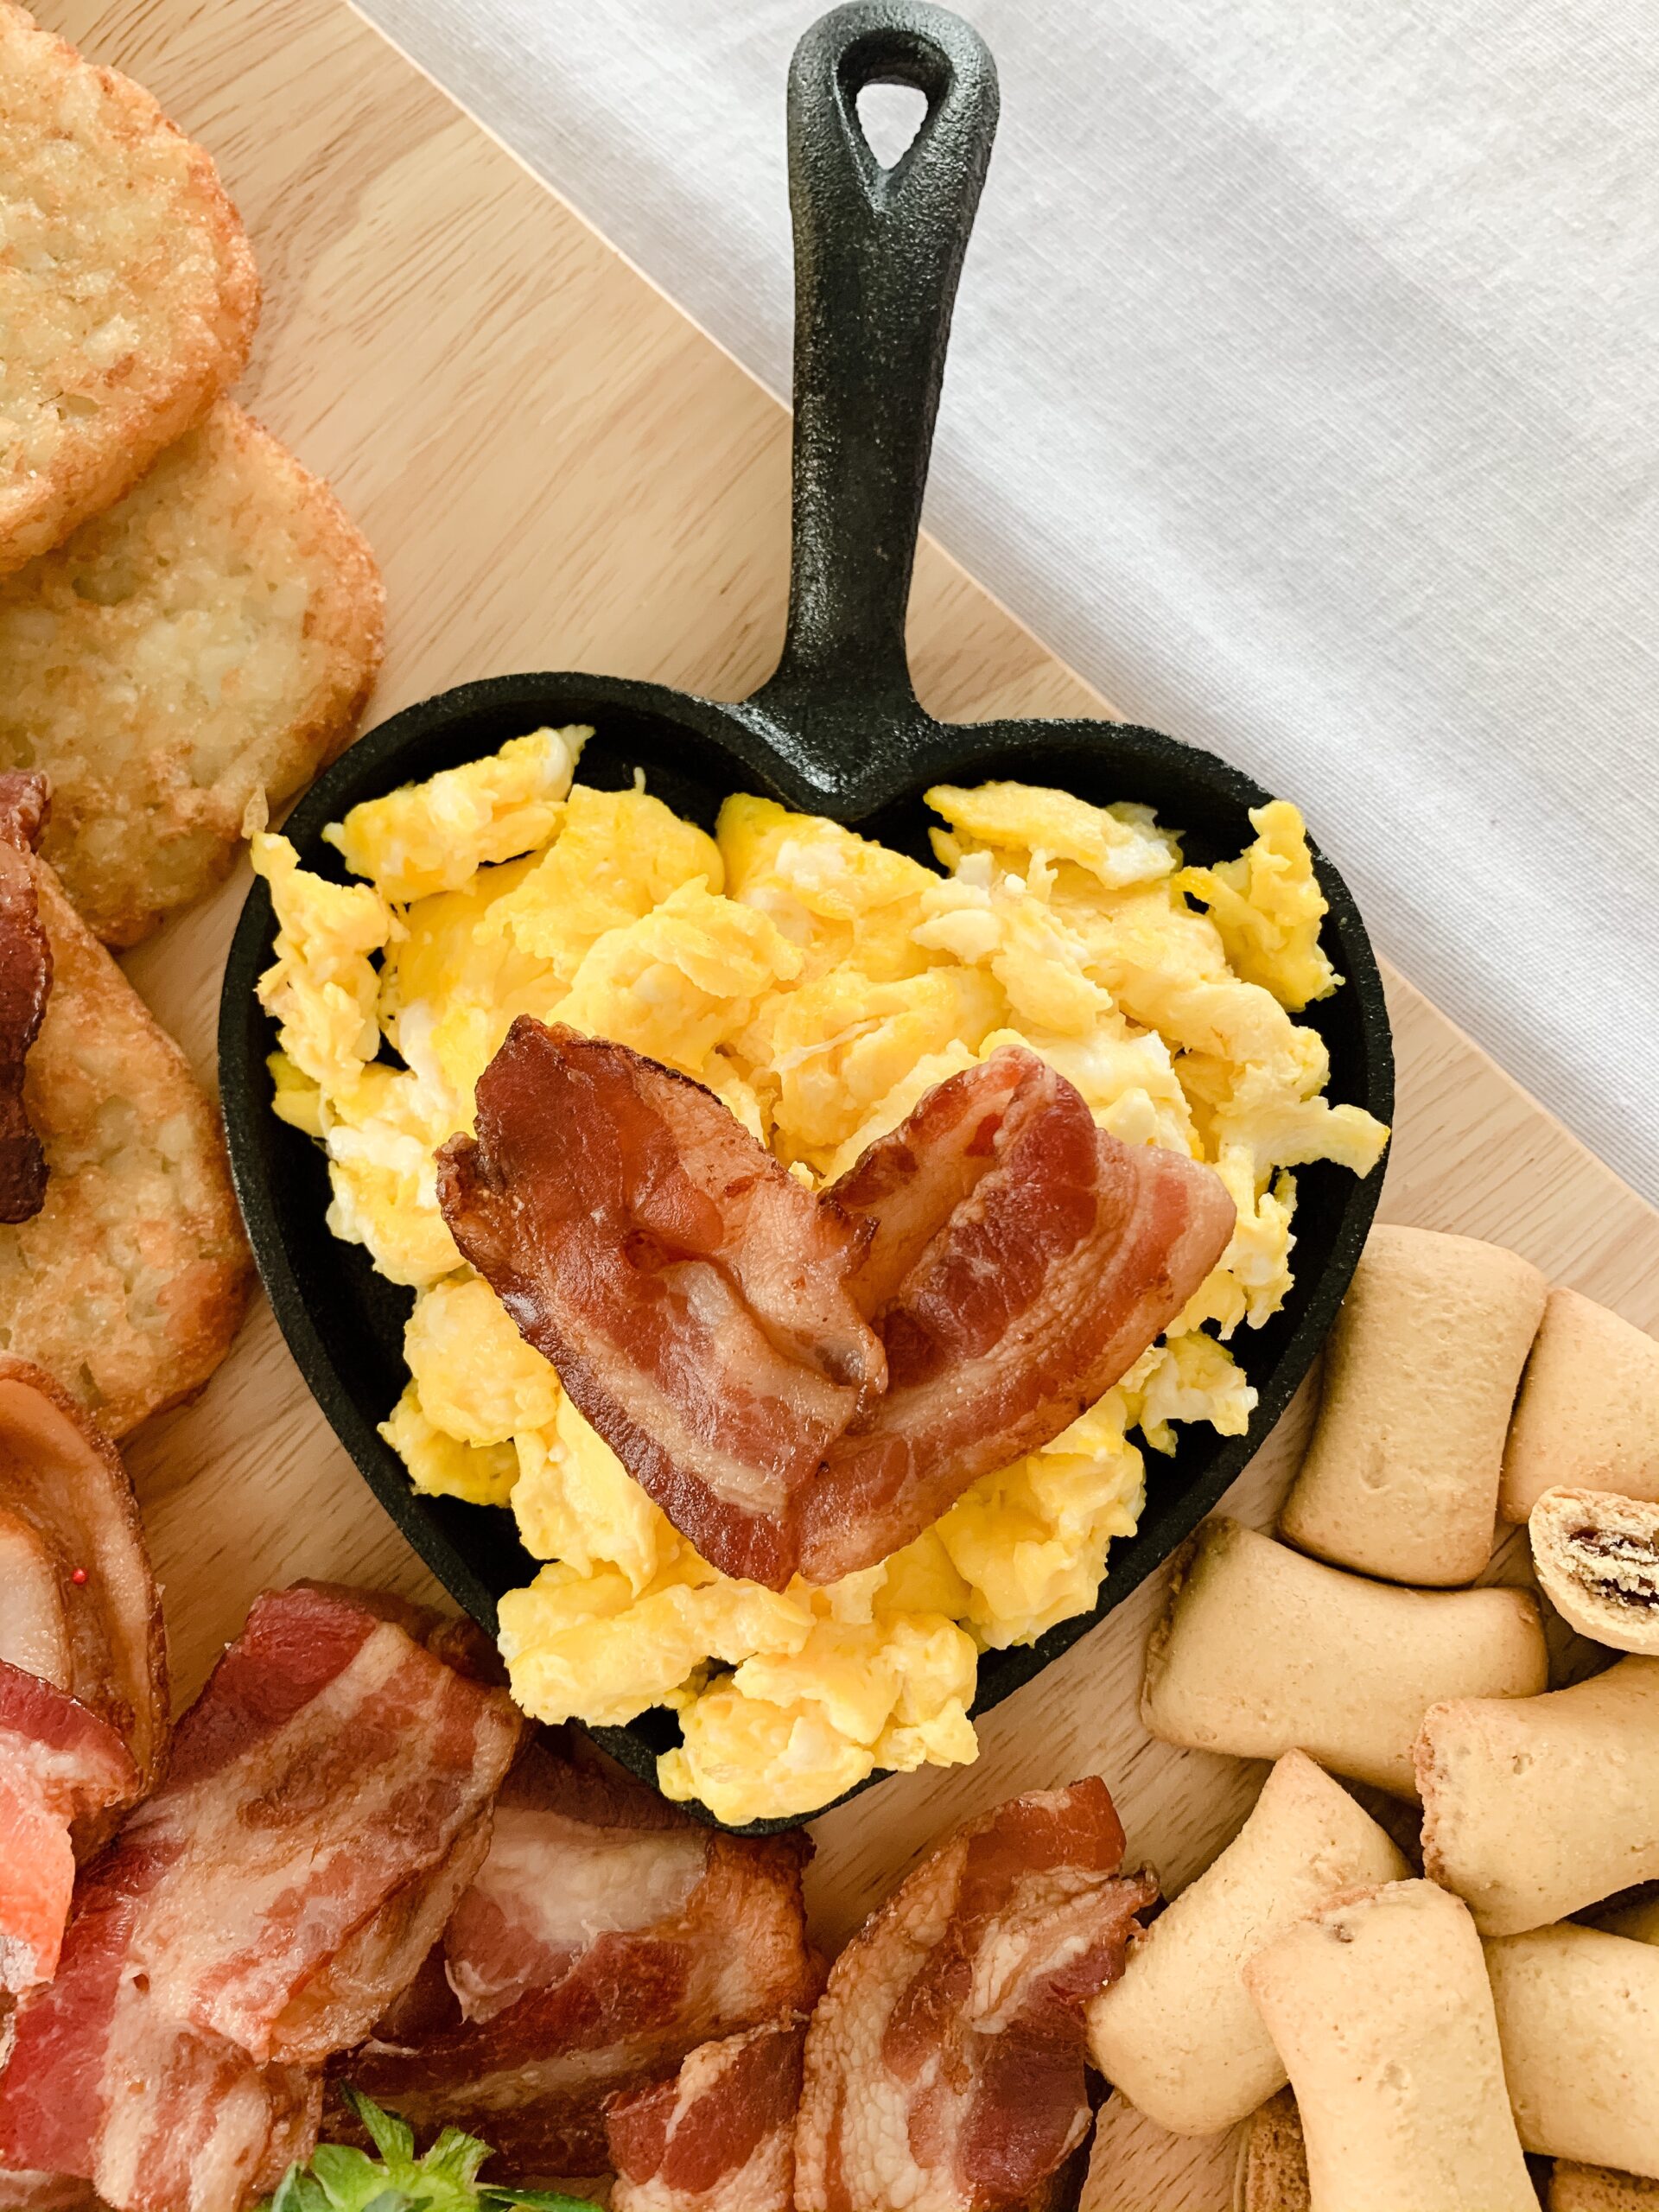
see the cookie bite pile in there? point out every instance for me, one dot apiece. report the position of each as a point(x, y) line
point(1397, 1989)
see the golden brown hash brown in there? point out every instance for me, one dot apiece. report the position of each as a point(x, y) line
point(213, 635)
point(128, 293)
point(129, 1283)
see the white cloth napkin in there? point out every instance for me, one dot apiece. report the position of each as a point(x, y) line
point(1302, 395)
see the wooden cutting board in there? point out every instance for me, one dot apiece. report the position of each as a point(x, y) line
point(558, 469)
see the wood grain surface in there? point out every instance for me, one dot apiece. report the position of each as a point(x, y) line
point(559, 470)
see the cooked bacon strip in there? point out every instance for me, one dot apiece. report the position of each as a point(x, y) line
point(719, 2136)
point(1020, 1259)
point(800, 1385)
point(58, 1761)
point(256, 1914)
point(25, 985)
point(102, 2087)
point(339, 2004)
point(332, 1762)
point(67, 1506)
point(578, 1851)
point(83, 1683)
point(691, 1293)
point(605, 1937)
point(944, 2065)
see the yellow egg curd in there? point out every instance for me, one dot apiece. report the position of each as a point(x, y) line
point(818, 983)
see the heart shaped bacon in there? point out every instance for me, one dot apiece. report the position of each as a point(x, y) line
point(805, 1382)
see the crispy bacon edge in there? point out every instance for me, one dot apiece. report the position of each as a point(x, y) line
point(719, 2135)
point(946, 2060)
point(25, 986)
point(1010, 1259)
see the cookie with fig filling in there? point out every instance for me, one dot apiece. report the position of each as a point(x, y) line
point(1597, 1558)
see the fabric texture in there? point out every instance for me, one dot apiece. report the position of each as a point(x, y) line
point(1301, 396)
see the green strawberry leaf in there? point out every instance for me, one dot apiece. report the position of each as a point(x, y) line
point(455, 2158)
point(444, 2179)
point(392, 2137)
point(532, 2199)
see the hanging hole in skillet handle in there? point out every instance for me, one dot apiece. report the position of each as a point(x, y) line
point(890, 116)
point(877, 252)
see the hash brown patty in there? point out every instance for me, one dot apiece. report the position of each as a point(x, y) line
point(214, 635)
point(130, 1283)
point(128, 292)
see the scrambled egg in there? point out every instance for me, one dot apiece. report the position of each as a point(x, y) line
point(818, 983)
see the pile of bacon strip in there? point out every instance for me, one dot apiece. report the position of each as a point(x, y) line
point(352, 1861)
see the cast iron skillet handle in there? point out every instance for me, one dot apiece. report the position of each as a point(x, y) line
point(877, 255)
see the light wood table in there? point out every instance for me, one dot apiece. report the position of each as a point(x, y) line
point(558, 469)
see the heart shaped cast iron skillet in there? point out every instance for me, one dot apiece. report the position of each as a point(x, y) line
point(837, 731)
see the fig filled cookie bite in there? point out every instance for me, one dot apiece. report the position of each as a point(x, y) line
point(1578, 2016)
point(1588, 1414)
point(1178, 2034)
point(1597, 1558)
point(1261, 1651)
point(1272, 2171)
point(1400, 1478)
point(1381, 2009)
point(1534, 1808)
point(1575, 2188)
